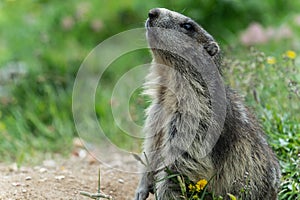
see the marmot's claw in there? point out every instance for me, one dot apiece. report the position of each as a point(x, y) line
point(212, 48)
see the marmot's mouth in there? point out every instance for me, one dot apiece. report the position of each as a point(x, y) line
point(147, 24)
point(150, 31)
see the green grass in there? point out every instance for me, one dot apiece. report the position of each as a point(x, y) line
point(276, 102)
point(35, 120)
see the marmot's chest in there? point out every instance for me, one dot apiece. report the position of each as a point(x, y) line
point(177, 94)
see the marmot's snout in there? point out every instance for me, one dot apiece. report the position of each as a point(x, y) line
point(153, 13)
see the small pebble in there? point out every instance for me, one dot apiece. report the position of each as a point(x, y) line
point(82, 153)
point(43, 170)
point(77, 142)
point(59, 177)
point(28, 178)
point(121, 181)
point(43, 179)
point(24, 190)
point(91, 159)
point(16, 184)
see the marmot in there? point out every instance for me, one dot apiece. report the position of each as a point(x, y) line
point(181, 113)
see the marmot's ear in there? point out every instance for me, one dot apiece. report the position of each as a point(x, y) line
point(212, 48)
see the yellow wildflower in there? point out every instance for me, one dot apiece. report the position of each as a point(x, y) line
point(291, 54)
point(191, 188)
point(195, 197)
point(201, 184)
point(271, 60)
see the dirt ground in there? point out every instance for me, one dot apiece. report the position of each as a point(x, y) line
point(65, 178)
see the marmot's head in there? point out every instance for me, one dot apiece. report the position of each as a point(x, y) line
point(171, 31)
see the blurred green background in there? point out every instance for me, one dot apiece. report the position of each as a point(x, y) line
point(43, 43)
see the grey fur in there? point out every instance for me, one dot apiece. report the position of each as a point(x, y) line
point(180, 114)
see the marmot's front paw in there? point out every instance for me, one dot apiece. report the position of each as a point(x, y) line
point(141, 194)
point(212, 48)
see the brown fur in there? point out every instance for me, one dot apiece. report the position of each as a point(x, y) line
point(180, 114)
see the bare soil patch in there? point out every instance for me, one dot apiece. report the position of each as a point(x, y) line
point(64, 179)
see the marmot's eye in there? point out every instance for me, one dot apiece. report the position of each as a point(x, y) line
point(188, 26)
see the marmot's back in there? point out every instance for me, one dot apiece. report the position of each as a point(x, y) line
point(182, 113)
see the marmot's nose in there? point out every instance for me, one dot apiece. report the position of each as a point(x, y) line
point(153, 13)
